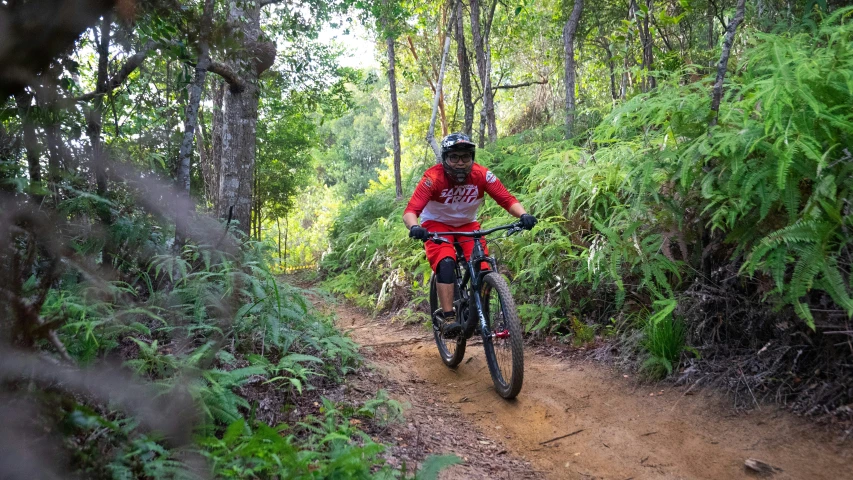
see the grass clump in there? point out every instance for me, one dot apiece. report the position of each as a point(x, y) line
point(664, 341)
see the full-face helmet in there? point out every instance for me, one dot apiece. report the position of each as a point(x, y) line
point(457, 156)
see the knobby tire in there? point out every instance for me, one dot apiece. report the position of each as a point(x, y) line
point(505, 356)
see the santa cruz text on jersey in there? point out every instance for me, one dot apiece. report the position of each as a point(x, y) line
point(460, 194)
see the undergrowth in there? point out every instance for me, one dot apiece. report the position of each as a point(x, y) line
point(221, 369)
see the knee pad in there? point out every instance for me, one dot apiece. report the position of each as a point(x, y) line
point(445, 272)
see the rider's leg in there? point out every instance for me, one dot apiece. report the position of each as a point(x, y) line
point(445, 277)
point(445, 274)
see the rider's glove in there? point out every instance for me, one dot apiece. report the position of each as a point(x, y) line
point(527, 221)
point(418, 233)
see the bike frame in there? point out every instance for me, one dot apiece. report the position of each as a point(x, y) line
point(473, 276)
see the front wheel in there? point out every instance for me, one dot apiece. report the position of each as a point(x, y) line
point(502, 342)
point(451, 350)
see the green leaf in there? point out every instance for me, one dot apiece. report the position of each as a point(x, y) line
point(434, 464)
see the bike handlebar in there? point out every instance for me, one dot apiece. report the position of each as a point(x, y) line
point(513, 228)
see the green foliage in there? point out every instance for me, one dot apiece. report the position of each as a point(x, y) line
point(664, 337)
point(300, 348)
point(582, 333)
point(355, 144)
point(656, 200)
point(434, 464)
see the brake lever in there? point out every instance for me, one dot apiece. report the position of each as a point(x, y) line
point(512, 231)
point(437, 239)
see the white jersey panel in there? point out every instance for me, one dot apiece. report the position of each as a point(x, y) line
point(457, 206)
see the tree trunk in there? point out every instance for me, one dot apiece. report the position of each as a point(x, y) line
point(94, 127)
point(204, 161)
point(717, 94)
point(487, 47)
point(569, 45)
point(54, 167)
point(484, 71)
point(215, 160)
point(23, 102)
point(464, 72)
point(430, 138)
point(286, 228)
point(240, 114)
point(431, 81)
point(191, 122)
point(278, 229)
point(612, 68)
point(649, 81)
point(712, 39)
point(257, 214)
point(395, 115)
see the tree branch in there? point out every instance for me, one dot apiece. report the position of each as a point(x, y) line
point(132, 63)
point(236, 84)
point(719, 15)
point(662, 33)
point(519, 85)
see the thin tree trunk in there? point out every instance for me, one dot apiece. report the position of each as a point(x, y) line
point(216, 146)
point(464, 72)
point(430, 138)
point(649, 81)
point(612, 68)
point(483, 64)
point(258, 213)
point(430, 81)
point(278, 228)
point(191, 122)
point(204, 161)
point(23, 101)
point(54, 167)
point(712, 39)
point(395, 116)
point(286, 228)
point(717, 94)
point(94, 127)
point(569, 47)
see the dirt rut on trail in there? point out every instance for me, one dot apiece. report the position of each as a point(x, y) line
point(612, 427)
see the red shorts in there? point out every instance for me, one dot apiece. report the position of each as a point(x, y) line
point(436, 252)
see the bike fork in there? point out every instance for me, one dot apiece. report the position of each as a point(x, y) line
point(484, 328)
point(487, 333)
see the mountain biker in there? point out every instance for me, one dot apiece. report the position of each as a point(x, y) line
point(446, 199)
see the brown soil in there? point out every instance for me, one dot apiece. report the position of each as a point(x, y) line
point(618, 427)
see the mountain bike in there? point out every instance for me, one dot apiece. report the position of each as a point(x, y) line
point(484, 306)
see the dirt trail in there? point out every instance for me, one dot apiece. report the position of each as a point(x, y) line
point(619, 430)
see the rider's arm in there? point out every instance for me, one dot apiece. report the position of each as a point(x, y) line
point(498, 191)
point(419, 200)
point(410, 219)
point(517, 210)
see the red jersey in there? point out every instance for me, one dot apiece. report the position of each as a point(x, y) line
point(436, 198)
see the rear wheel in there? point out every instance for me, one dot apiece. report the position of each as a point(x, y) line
point(503, 345)
point(451, 350)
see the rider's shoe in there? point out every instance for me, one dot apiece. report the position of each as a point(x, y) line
point(447, 323)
